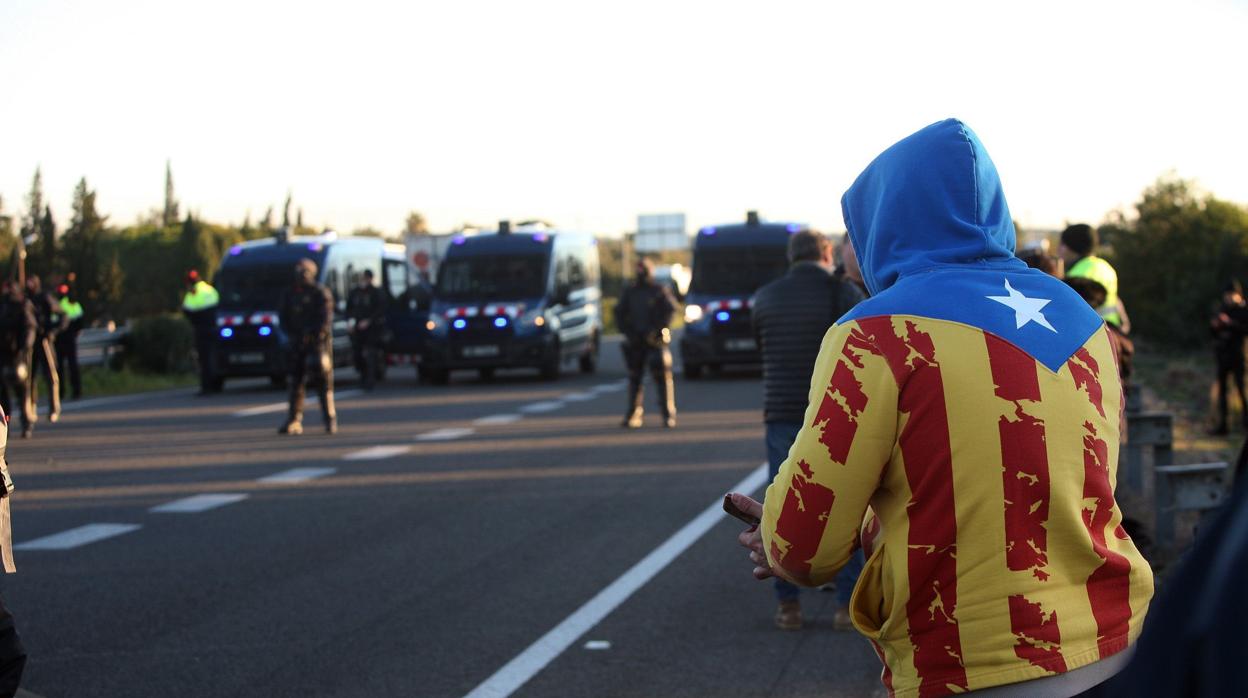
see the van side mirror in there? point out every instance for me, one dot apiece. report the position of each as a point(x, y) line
point(563, 295)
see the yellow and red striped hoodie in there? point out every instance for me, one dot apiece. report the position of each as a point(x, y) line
point(974, 406)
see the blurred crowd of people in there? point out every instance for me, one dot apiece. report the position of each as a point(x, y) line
point(38, 344)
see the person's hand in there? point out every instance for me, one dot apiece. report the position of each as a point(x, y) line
point(751, 539)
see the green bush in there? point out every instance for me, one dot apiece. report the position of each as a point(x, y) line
point(160, 344)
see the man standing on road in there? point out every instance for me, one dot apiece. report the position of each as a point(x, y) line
point(307, 315)
point(964, 426)
point(1229, 326)
point(67, 341)
point(49, 324)
point(17, 342)
point(366, 309)
point(200, 305)
point(644, 314)
point(790, 317)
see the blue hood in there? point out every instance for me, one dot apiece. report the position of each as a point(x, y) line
point(932, 200)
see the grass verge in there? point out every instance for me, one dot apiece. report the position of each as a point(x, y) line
point(98, 381)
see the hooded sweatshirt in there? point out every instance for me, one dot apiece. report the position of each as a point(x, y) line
point(974, 406)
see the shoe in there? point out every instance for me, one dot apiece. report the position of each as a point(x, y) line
point(54, 417)
point(789, 615)
point(841, 619)
point(28, 431)
point(331, 427)
point(291, 428)
point(632, 421)
point(669, 423)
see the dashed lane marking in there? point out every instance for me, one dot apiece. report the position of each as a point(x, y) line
point(197, 503)
point(283, 406)
point(579, 397)
point(497, 419)
point(447, 434)
point(75, 537)
point(525, 666)
point(609, 387)
point(540, 407)
point(377, 453)
point(295, 475)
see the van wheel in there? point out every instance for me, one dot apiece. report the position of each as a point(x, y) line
point(693, 371)
point(216, 384)
point(487, 374)
point(278, 380)
point(550, 366)
point(589, 360)
point(438, 376)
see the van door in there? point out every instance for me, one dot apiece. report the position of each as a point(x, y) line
point(574, 303)
point(407, 308)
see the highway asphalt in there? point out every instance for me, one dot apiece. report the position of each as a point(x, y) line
point(500, 537)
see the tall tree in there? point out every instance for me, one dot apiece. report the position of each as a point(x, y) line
point(81, 247)
point(266, 223)
point(170, 215)
point(198, 249)
point(34, 205)
point(8, 241)
point(286, 211)
point(42, 256)
point(299, 218)
point(415, 224)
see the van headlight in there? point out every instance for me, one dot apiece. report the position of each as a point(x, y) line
point(693, 313)
point(436, 324)
point(532, 321)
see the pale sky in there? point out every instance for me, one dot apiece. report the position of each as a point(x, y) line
point(588, 113)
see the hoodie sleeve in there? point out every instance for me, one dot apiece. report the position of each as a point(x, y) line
point(814, 508)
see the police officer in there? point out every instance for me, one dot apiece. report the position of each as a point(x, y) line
point(366, 310)
point(17, 342)
point(644, 313)
point(67, 341)
point(199, 303)
point(307, 314)
point(48, 325)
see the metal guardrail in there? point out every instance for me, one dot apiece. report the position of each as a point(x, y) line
point(96, 345)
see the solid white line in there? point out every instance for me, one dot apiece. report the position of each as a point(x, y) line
point(70, 405)
point(377, 453)
point(76, 537)
point(497, 419)
point(281, 406)
point(197, 503)
point(540, 407)
point(608, 387)
point(447, 434)
point(580, 397)
point(525, 666)
point(297, 475)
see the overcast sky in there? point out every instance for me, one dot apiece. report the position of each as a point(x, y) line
point(589, 113)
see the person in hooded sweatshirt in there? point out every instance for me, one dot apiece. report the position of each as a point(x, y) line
point(963, 426)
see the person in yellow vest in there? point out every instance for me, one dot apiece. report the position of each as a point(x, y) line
point(200, 305)
point(67, 341)
point(1078, 244)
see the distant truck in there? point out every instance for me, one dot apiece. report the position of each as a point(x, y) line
point(426, 252)
point(730, 263)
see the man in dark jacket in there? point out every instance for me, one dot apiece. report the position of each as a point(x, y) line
point(67, 341)
point(644, 314)
point(1229, 326)
point(366, 309)
point(790, 317)
point(17, 341)
point(49, 324)
point(307, 314)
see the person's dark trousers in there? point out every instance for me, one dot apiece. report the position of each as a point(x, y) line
point(44, 362)
point(12, 655)
point(367, 357)
point(779, 438)
point(14, 384)
point(67, 363)
point(203, 351)
point(1230, 366)
point(639, 354)
point(318, 360)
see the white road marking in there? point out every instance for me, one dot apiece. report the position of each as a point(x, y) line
point(579, 397)
point(197, 503)
point(525, 666)
point(70, 405)
point(283, 406)
point(377, 453)
point(297, 475)
point(497, 419)
point(609, 387)
point(540, 407)
point(597, 645)
point(447, 434)
point(75, 537)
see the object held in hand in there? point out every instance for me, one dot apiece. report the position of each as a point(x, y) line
point(731, 508)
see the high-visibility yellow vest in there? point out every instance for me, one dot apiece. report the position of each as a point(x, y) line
point(72, 309)
point(1101, 272)
point(202, 296)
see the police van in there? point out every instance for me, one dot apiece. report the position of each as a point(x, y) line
point(730, 263)
point(254, 276)
point(518, 297)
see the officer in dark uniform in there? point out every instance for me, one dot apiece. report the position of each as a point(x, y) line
point(644, 314)
point(307, 314)
point(67, 341)
point(50, 322)
point(17, 341)
point(366, 309)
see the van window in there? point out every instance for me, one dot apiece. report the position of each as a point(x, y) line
point(737, 270)
point(396, 279)
point(492, 277)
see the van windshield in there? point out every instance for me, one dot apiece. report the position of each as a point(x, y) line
point(737, 271)
point(254, 286)
point(492, 277)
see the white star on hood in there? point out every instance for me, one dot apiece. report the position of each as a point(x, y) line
point(1025, 309)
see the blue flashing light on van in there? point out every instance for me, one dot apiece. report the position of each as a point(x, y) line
point(730, 263)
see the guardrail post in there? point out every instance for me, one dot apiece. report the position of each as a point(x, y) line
point(1200, 487)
